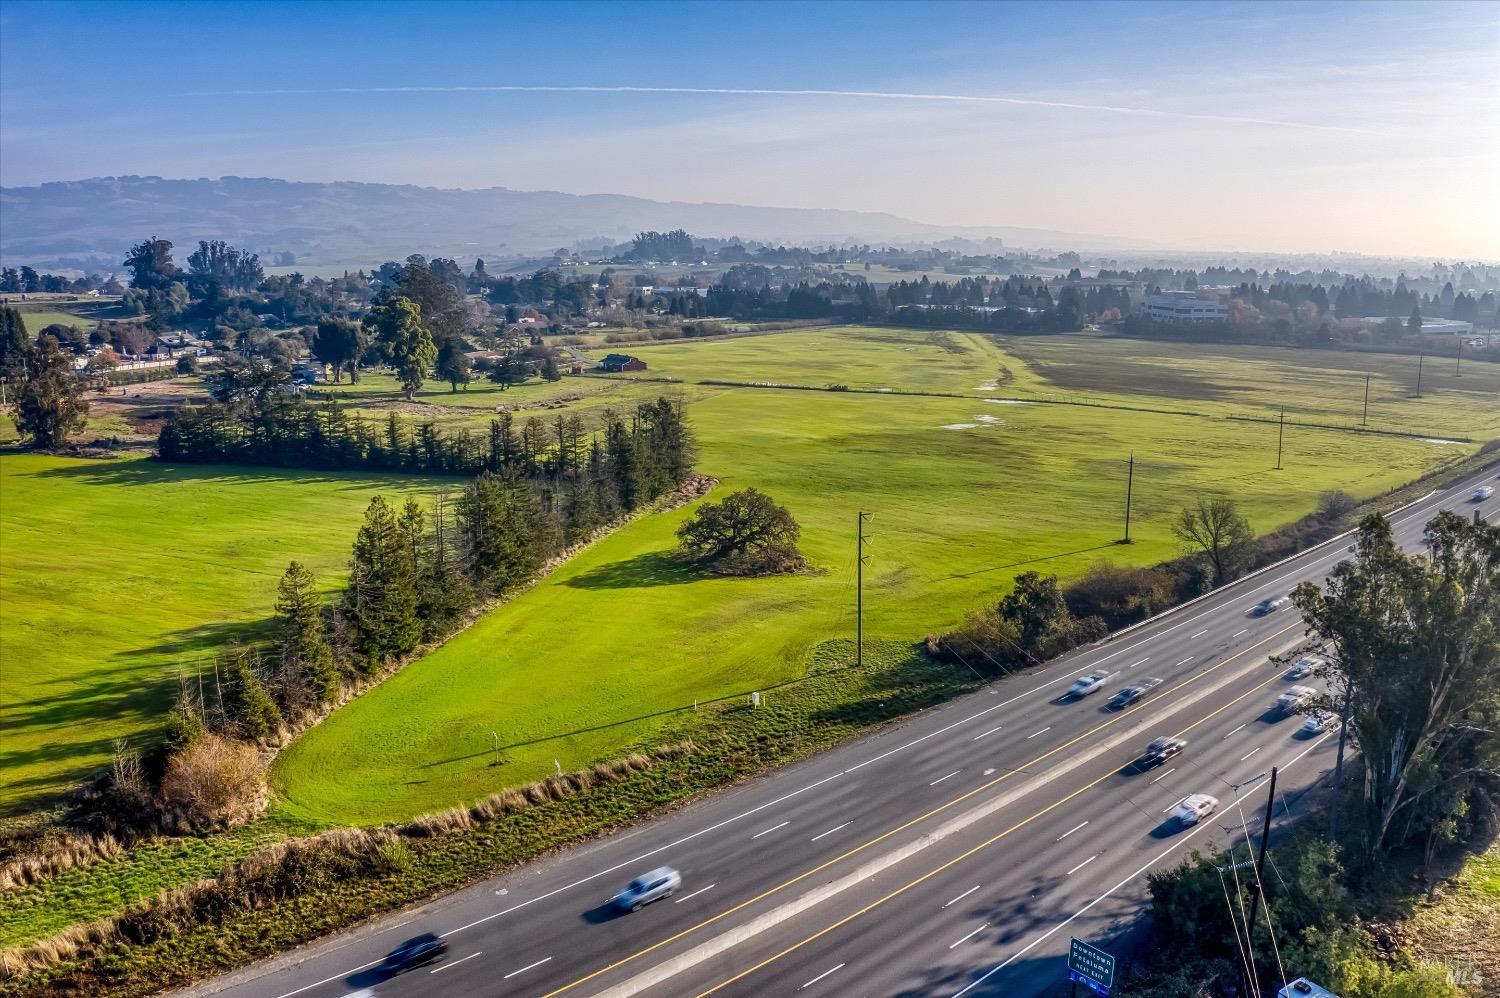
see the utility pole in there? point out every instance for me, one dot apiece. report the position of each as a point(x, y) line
point(1420, 357)
point(1260, 869)
point(1129, 490)
point(1458, 359)
point(1364, 420)
point(1280, 434)
point(859, 592)
point(1338, 765)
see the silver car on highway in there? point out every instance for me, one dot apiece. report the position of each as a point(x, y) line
point(648, 887)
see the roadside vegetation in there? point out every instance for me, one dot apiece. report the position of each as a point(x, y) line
point(1412, 646)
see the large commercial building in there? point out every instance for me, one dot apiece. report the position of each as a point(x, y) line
point(1183, 306)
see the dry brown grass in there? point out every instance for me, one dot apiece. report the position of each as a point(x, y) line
point(73, 850)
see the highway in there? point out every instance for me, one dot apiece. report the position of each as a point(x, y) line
point(953, 853)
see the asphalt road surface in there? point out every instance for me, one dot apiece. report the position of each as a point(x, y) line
point(953, 854)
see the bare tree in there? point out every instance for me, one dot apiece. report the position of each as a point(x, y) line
point(1216, 528)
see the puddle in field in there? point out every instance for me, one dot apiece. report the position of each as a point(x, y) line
point(990, 420)
point(958, 426)
point(1439, 440)
point(1009, 402)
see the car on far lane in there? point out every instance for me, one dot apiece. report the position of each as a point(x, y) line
point(1293, 698)
point(1130, 694)
point(415, 952)
point(1162, 749)
point(1084, 685)
point(1316, 723)
point(1304, 667)
point(1194, 808)
point(648, 887)
point(1266, 606)
point(1482, 493)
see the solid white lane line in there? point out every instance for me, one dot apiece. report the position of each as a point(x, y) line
point(1243, 630)
point(1199, 634)
point(940, 779)
point(824, 974)
point(1070, 831)
point(1141, 662)
point(768, 831)
point(971, 935)
point(523, 970)
point(1163, 776)
point(831, 830)
point(989, 732)
point(1185, 661)
point(1250, 753)
point(694, 894)
point(1082, 865)
point(1173, 804)
point(455, 963)
point(1195, 830)
point(1232, 732)
point(1042, 732)
point(965, 894)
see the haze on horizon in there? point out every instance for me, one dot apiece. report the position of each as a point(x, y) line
point(1304, 127)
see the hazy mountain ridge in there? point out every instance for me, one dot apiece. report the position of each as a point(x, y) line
point(358, 224)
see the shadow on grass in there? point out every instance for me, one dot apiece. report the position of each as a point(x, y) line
point(656, 568)
point(1031, 561)
point(145, 471)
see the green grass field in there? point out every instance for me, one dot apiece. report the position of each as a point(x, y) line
point(37, 321)
point(963, 495)
point(114, 573)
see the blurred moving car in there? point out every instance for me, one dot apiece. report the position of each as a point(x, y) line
point(1294, 698)
point(648, 887)
point(1482, 493)
point(415, 952)
point(1266, 606)
point(1316, 723)
point(1162, 749)
point(1084, 685)
point(1194, 808)
point(1304, 667)
point(1130, 694)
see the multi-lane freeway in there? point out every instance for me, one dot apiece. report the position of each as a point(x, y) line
point(954, 853)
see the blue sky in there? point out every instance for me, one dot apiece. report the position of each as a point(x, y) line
point(1368, 127)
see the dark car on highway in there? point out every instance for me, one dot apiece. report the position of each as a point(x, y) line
point(415, 952)
point(1162, 749)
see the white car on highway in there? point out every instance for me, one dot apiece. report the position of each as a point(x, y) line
point(1294, 698)
point(1084, 685)
point(1194, 808)
point(1304, 667)
point(1317, 723)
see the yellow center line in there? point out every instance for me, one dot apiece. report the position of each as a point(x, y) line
point(955, 860)
point(903, 827)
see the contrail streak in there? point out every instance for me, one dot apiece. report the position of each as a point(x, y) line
point(764, 92)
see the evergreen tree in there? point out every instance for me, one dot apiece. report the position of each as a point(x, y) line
point(15, 346)
point(48, 404)
point(497, 520)
point(396, 325)
point(250, 706)
point(1414, 321)
point(381, 602)
point(453, 364)
point(444, 594)
point(307, 662)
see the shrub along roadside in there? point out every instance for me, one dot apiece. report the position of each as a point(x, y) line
point(294, 892)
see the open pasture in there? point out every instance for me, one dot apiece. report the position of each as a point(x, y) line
point(963, 494)
point(113, 574)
